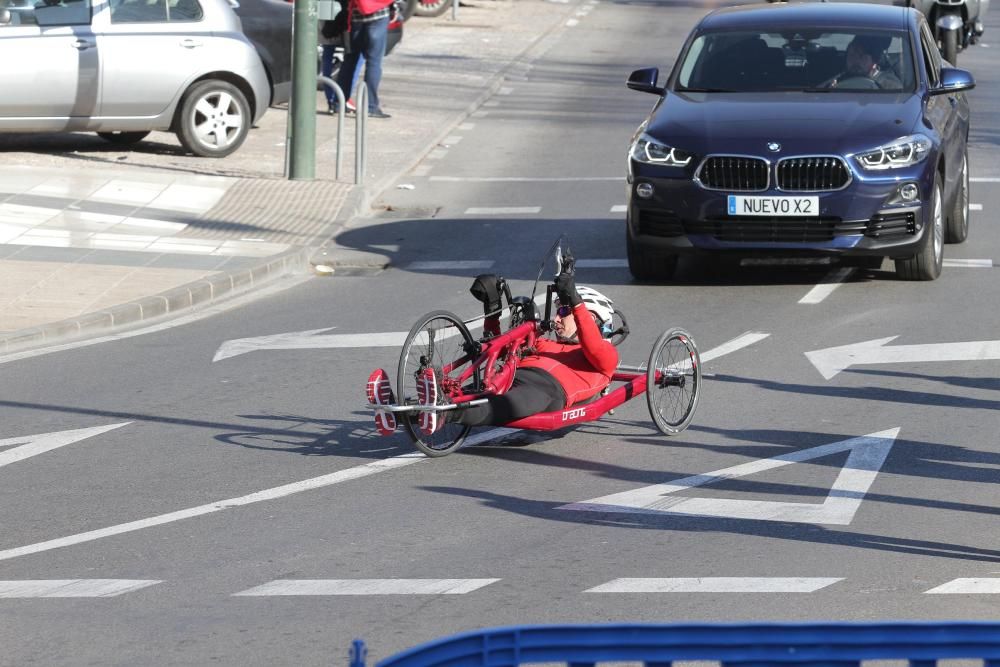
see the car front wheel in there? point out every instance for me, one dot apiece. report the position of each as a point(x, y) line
point(214, 119)
point(957, 229)
point(926, 264)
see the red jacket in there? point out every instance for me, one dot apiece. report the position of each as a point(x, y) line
point(367, 7)
point(583, 368)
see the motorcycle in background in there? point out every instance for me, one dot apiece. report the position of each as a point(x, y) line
point(956, 23)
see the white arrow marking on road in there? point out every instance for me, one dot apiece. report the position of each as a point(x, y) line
point(867, 454)
point(32, 445)
point(832, 360)
point(308, 340)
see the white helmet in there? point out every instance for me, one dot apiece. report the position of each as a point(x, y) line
point(600, 305)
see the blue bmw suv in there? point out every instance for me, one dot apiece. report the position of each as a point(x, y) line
point(802, 129)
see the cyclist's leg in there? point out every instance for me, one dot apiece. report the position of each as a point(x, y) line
point(533, 391)
point(379, 392)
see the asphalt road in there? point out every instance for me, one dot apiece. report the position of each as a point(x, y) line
point(220, 478)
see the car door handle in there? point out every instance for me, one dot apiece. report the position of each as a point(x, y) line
point(190, 43)
point(81, 44)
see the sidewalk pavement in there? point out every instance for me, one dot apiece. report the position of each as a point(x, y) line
point(95, 239)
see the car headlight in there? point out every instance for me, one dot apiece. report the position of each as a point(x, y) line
point(903, 152)
point(650, 151)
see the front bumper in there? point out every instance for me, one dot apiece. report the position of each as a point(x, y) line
point(865, 218)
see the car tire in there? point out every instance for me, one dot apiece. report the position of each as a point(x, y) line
point(431, 8)
point(926, 264)
point(123, 138)
point(649, 266)
point(957, 227)
point(214, 119)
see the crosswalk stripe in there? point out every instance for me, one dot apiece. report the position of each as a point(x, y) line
point(72, 588)
point(970, 585)
point(716, 585)
point(367, 587)
point(969, 263)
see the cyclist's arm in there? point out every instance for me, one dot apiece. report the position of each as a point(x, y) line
point(601, 354)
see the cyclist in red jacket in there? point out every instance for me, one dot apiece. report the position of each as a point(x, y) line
point(574, 367)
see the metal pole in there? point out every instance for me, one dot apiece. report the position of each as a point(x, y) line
point(302, 109)
point(360, 133)
point(341, 108)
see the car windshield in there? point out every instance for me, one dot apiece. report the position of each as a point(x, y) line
point(801, 60)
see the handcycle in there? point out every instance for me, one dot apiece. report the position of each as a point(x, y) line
point(470, 369)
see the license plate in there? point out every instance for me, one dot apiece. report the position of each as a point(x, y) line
point(773, 206)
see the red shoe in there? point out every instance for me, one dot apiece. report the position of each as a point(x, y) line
point(380, 393)
point(351, 107)
point(427, 393)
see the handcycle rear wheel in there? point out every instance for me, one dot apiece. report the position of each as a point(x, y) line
point(439, 340)
point(673, 396)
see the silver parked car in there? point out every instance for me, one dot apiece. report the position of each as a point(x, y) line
point(122, 68)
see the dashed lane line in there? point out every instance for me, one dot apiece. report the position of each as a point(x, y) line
point(967, 586)
point(716, 585)
point(969, 263)
point(72, 588)
point(523, 179)
point(463, 265)
point(367, 587)
point(502, 210)
point(347, 475)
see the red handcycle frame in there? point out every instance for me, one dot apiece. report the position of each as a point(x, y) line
point(489, 365)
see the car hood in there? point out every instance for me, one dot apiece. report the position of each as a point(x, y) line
point(802, 123)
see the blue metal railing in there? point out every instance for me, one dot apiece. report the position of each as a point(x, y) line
point(743, 645)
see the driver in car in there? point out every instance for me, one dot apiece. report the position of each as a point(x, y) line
point(575, 366)
point(864, 54)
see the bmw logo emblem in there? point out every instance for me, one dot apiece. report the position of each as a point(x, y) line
point(773, 146)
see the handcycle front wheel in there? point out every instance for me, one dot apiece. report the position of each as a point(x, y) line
point(673, 381)
point(441, 341)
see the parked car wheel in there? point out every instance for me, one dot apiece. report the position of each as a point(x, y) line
point(431, 7)
point(646, 265)
point(926, 264)
point(214, 119)
point(957, 228)
point(123, 138)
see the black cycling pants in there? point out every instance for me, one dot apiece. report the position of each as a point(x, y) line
point(533, 391)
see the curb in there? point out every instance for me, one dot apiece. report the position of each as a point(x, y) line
point(160, 306)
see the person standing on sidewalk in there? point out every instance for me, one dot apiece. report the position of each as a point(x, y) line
point(333, 35)
point(368, 25)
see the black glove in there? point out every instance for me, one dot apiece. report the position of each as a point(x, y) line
point(566, 290)
point(486, 288)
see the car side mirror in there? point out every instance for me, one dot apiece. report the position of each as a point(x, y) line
point(954, 80)
point(644, 80)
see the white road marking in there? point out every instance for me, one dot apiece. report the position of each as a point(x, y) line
point(716, 585)
point(833, 360)
point(975, 207)
point(968, 586)
point(505, 90)
point(969, 263)
point(619, 208)
point(572, 22)
point(985, 179)
point(738, 343)
point(33, 445)
point(422, 170)
point(308, 340)
point(72, 588)
point(830, 282)
point(524, 179)
point(347, 475)
point(867, 454)
point(502, 210)
point(452, 140)
point(368, 587)
point(464, 265)
point(602, 263)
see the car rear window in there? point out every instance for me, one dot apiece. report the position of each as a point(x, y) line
point(800, 60)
